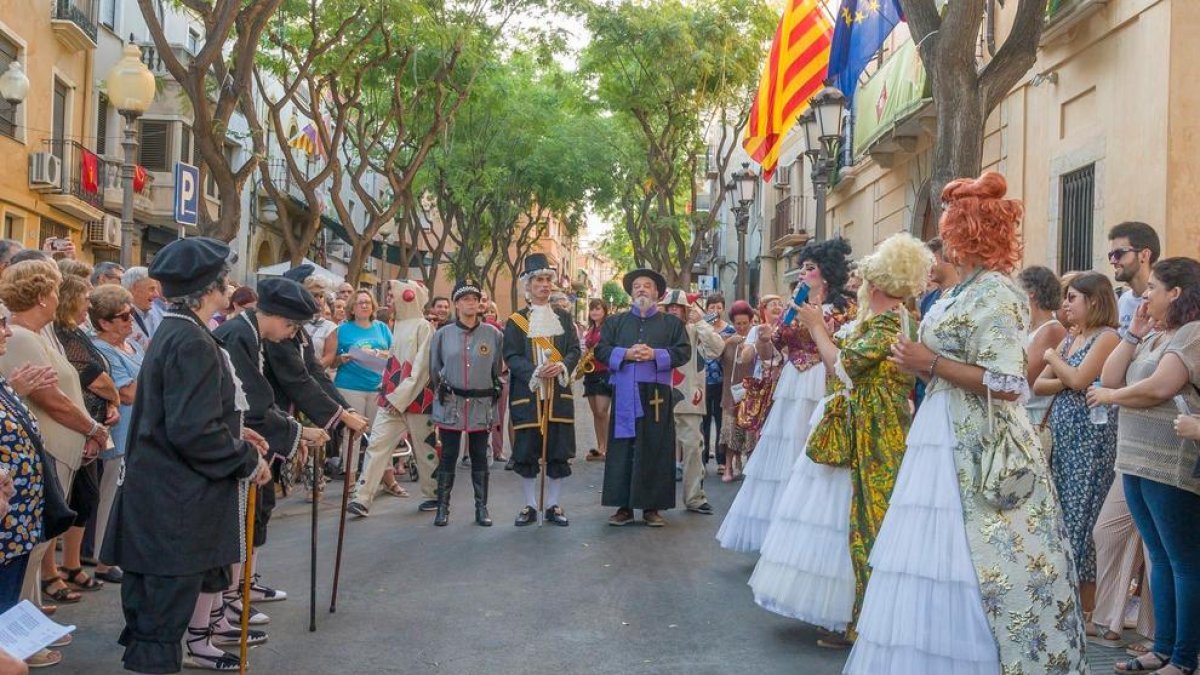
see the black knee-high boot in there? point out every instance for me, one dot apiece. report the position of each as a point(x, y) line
point(445, 483)
point(479, 480)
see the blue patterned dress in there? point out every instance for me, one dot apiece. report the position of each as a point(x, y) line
point(1081, 463)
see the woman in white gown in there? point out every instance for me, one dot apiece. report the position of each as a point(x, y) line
point(800, 388)
point(970, 569)
point(814, 559)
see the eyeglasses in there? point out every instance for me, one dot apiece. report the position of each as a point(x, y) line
point(1118, 253)
point(124, 316)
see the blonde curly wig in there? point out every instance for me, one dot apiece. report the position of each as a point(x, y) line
point(899, 267)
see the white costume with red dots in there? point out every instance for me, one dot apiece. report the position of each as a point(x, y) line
point(407, 414)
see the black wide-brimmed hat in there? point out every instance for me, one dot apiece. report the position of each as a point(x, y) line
point(188, 265)
point(286, 298)
point(659, 282)
point(466, 287)
point(535, 263)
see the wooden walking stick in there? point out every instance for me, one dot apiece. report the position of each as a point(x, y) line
point(312, 559)
point(352, 440)
point(247, 572)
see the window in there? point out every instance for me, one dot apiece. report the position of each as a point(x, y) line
point(58, 128)
point(185, 145)
point(154, 143)
point(102, 125)
point(8, 112)
point(1076, 212)
point(14, 227)
point(108, 13)
point(50, 228)
point(193, 42)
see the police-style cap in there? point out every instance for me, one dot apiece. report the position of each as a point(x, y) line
point(286, 298)
point(188, 265)
point(466, 287)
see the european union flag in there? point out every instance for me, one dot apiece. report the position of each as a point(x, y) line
point(860, 28)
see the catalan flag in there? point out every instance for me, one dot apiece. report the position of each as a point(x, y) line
point(794, 73)
point(307, 140)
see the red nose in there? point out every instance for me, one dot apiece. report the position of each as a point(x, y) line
point(408, 295)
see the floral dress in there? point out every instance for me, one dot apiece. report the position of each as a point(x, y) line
point(1081, 462)
point(22, 527)
point(970, 571)
point(864, 426)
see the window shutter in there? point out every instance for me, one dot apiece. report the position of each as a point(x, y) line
point(154, 138)
point(102, 126)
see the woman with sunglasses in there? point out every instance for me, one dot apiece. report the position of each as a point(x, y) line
point(110, 308)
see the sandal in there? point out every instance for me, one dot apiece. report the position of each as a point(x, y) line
point(594, 455)
point(44, 659)
point(63, 595)
point(223, 662)
point(1138, 665)
point(73, 576)
point(395, 490)
point(1136, 649)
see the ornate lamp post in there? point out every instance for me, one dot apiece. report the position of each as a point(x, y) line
point(14, 84)
point(131, 89)
point(821, 125)
point(745, 182)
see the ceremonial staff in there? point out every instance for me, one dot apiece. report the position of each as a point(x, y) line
point(247, 573)
point(351, 442)
point(312, 564)
point(546, 390)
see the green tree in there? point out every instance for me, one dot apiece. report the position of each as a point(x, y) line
point(676, 77)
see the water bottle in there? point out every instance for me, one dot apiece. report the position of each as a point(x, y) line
point(1099, 414)
point(800, 298)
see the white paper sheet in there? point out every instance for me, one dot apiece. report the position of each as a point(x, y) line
point(24, 630)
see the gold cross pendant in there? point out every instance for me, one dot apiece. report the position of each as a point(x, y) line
point(657, 402)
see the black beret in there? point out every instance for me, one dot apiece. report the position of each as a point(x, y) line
point(300, 273)
point(188, 265)
point(286, 298)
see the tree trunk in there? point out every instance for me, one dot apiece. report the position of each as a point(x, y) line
point(958, 152)
point(359, 253)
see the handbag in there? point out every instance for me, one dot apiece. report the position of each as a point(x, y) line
point(751, 412)
point(57, 516)
point(832, 440)
point(1007, 476)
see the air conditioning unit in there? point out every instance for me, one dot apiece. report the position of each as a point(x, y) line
point(45, 171)
point(783, 177)
point(106, 232)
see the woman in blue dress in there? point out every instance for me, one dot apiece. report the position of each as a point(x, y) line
point(1085, 449)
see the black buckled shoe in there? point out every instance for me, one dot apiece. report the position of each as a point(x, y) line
point(556, 516)
point(527, 516)
point(427, 505)
point(357, 510)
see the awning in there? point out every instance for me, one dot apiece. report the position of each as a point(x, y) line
point(278, 269)
point(378, 248)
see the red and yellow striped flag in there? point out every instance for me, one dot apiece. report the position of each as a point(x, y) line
point(794, 73)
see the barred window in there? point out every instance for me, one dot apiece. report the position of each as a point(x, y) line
point(8, 112)
point(1076, 212)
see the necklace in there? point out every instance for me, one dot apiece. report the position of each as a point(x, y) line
point(967, 282)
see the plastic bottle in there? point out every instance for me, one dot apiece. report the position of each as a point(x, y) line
point(1099, 414)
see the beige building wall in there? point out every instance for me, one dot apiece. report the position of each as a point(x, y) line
point(1114, 87)
point(50, 50)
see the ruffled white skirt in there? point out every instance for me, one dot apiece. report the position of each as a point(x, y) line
point(805, 571)
point(781, 440)
point(923, 612)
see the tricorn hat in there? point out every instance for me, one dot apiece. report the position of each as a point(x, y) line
point(535, 263)
point(659, 282)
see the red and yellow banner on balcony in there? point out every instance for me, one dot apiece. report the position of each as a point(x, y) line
point(794, 73)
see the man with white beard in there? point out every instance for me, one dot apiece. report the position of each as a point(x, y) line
point(641, 348)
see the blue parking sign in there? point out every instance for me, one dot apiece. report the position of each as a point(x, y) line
point(187, 193)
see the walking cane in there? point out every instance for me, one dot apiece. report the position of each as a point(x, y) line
point(544, 427)
point(337, 562)
point(312, 559)
point(247, 572)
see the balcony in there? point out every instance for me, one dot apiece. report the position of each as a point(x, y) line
point(114, 192)
point(82, 177)
point(1063, 16)
point(73, 24)
point(154, 60)
point(787, 227)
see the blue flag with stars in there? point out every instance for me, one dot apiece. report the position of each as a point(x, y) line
point(860, 28)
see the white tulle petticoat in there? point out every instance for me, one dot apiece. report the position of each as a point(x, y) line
point(782, 439)
point(923, 612)
point(805, 571)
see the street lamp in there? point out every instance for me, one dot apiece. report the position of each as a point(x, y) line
point(745, 182)
point(131, 89)
point(14, 85)
point(821, 125)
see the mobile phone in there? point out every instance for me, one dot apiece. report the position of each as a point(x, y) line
point(1181, 405)
point(59, 244)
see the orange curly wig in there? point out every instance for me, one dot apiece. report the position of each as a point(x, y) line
point(979, 225)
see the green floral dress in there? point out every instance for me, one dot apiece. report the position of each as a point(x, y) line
point(970, 571)
point(863, 427)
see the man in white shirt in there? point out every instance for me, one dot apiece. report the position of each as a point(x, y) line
point(145, 291)
point(1133, 248)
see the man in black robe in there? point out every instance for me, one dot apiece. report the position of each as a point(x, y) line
point(541, 348)
point(641, 348)
point(176, 523)
point(283, 305)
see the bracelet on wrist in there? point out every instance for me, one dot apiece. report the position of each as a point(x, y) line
point(933, 366)
point(1128, 336)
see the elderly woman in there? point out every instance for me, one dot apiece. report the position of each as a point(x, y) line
point(101, 401)
point(1152, 376)
point(111, 312)
point(30, 290)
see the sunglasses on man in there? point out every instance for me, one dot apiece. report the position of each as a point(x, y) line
point(1117, 253)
